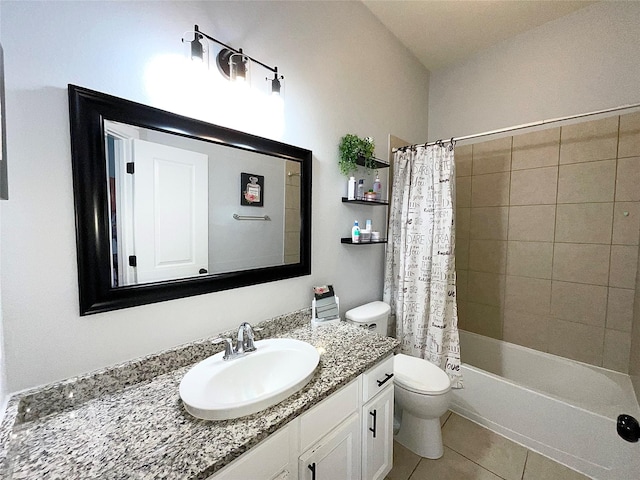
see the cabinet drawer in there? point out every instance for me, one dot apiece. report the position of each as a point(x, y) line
point(322, 418)
point(377, 378)
point(266, 461)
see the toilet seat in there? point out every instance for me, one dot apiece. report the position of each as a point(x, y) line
point(419, 375)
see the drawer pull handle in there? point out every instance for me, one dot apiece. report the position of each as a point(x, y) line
point(312, 467)
point(374, 414)
point(387, 377)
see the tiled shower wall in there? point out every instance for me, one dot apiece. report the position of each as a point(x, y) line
point(292, 212)
point(547, 233)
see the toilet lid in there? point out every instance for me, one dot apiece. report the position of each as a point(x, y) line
point(419, 375)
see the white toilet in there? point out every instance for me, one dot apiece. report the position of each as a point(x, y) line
point(422, 391)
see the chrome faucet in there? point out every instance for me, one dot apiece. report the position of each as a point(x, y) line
point(244, 342)
point(246, 336)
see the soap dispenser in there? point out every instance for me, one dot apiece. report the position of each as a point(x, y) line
point(355, 233)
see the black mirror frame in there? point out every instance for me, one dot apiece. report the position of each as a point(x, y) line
point(87, 111)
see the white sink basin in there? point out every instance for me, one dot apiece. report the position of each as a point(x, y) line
point(217, 389)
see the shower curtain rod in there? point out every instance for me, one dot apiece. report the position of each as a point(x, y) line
point(520, 127)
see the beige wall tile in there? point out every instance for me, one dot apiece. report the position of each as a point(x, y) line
point(626, 223)
point(534, 223)
point(463, 192)
point(492, 156)
point(620, 309)
point(486, 288)
point(462, 253)
point(589, 141)
point(581, 263)
point(463, 220)
point(530, 295)
point(530, 259)
point(629, 136)
point(536, 149)
point(617, 346)
point(579, 302)
point(462, 158)
point(462, 278)
point(628, 180)
point(292, 219)
point(484, 320)
point(634, 362)
point(624, 261)
point(291, 259)
point(463, 315)
point(526, 329)
point(292, 197)
point(584, 222)
point(488, 256)
point(491, 190)
point(292, 244)
point(534, 187)
point(587, 182)
point(576, 341)
point(489, 223)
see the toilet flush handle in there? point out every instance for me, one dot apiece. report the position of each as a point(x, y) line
point(387, 377)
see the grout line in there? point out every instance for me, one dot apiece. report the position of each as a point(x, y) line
point(526, 459)
point(476, 463)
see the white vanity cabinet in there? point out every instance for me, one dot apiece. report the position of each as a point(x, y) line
point(269, 460)
point(330, 437)
point(333, 440)
point(336, 456)
point(377, 421)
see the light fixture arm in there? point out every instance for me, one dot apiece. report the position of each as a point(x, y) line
point(197, 30)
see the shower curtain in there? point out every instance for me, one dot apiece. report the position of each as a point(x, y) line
point(420, 278)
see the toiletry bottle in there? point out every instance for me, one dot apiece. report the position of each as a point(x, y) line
point(355, 233)
point(367, 226)
point(377, 187)
point(360, 189)
point(351, 189)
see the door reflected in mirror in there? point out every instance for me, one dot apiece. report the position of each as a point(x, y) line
point(176, 211)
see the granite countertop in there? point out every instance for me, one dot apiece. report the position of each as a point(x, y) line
point(128, 421)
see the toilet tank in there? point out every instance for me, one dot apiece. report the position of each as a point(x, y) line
point(373, 316)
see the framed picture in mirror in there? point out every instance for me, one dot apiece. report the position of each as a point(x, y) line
point(252, 187)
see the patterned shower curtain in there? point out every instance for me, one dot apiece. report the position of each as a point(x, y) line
point(420, 277)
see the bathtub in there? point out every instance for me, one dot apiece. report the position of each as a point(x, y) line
point(560, 408)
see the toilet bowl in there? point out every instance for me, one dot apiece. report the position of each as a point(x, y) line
point(422, 391)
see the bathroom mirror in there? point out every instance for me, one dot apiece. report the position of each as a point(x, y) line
point(168, 206)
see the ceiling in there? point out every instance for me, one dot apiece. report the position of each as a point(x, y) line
point(441, 32)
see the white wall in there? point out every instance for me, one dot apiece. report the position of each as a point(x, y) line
point(3, 383)
point(580, 63)
point(344, 73)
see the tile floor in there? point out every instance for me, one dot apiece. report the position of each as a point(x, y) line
point(472, 452)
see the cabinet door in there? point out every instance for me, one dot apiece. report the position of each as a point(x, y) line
point(336, 456)
point(269, 460)
point(377, 436)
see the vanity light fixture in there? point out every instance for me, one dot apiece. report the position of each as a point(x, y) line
point(232, 63)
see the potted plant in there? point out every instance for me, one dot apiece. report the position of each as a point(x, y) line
point(351, 147)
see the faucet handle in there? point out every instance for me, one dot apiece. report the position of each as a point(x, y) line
point(228, 346)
